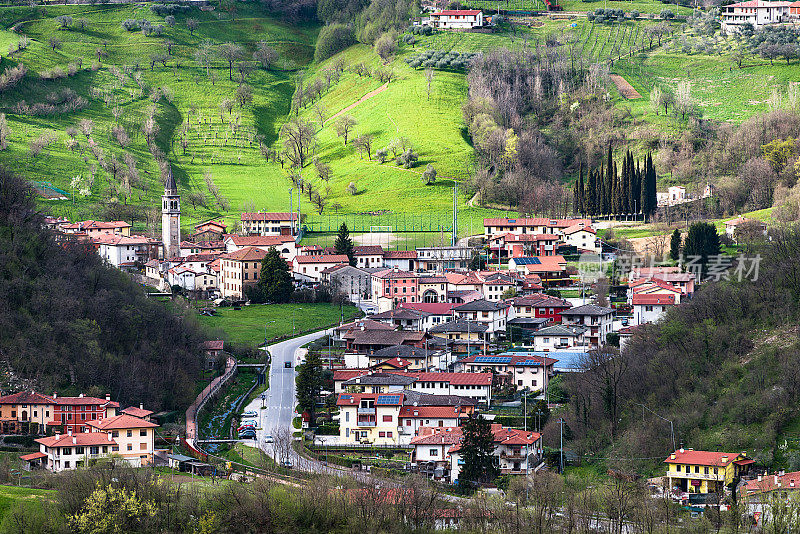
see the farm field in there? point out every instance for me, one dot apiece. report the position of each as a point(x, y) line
point(247, 325)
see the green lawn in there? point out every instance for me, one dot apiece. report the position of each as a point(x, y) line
point(11, 495)
point(247, 325)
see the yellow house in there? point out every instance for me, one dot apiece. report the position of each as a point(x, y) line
point(369, 417)
point(134, 437)
point(703, 471)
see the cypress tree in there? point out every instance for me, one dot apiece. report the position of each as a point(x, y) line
point(580, 192)
point(591, 194)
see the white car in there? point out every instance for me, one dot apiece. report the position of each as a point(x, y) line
point(250, 414)
point(269, 439)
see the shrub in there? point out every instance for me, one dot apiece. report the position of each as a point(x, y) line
point(130, 24)
point(407, 159)
point(382, 155)
point(333, 38)
point(169, 9)
point(351, 188)
point(634, 14)
point(667, 14)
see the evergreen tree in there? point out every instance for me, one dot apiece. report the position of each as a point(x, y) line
point(702, 242)
point(675, 245)
point(344, 245)
point(591, 194)
point(309, 382)
point(580, 197)
point(477, 451)
point(636, 189)
point(649, 202)
point(274, 281)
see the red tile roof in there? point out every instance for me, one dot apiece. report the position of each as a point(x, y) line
point(368, 250)
point(33, 456)
point(322, 258)
point(692, 457)
point(121, 421)
point(640, 299)
point(135, 411)
point(786, 481)
point(264, 216)
point(446, 435)
point(434, 308)
point(246, 254)
point(354, 399)
point(453, 12)
point(81, 439)
point(260, 240)
point(400, 255)
point(27, 397)
point(397, 363)
point(215, 344)
point(72, 401)
point(540, 221)
point(443, 412)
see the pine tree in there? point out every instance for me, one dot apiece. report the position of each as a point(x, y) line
point(477, 451)
point(274, 281)
point(702, 242)
point(580, 193)
point(675, 245)
point(309, 382)
point(344, 245)
point(591, 194)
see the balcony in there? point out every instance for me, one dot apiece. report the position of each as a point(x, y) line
point(521, 455)
point(366, 423)
point(698, 476)
point(366, 411)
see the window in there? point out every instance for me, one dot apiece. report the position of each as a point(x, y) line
point(130, 446)
point(381, 434)
point(143, 432)
point(388, 434)
point(705, 470)
point(115, 448)
point(387, 418)
point(105, 449)
point(678, 468)
point(78, 450)
point(67, 451)
point(346, 416)
point(697, 469)
point(434, 452)
point(115, 433)
point(94, 450)
point(130, 433)
point(143, 446)
point(66, 465)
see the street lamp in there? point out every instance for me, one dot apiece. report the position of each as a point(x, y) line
point(265, 334)
point(291, 207)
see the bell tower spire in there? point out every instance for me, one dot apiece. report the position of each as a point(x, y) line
point(171, 217)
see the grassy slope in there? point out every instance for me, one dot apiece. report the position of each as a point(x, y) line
point(11, 495)
point(241, 170)
point(247, 325)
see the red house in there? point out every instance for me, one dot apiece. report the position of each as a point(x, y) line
point(540, 305)
point(73, 413)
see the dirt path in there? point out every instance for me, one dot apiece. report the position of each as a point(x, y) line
point(367, 96)
point(625, 88)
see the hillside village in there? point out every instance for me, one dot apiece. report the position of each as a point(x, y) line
point(543, 277)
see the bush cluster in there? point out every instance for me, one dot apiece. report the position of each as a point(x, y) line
point(169, 9)
point(440, 59)
point(421, 30)
point(606, 15)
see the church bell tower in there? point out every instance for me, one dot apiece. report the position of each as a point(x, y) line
point(171, 218)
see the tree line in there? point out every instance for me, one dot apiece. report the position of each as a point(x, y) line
point(609, 192)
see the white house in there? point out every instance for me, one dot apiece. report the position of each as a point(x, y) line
point(284, 244)
point(756, 12)
point(457, 19)
point(558, 337)
point(441, 258)
point(310, 267)
point(582, 237)
point(265, 224)
point(649, 308)
point(732, 225)
point(493, 314)
point(597, 319)
point(524, 371)
point(124, 251)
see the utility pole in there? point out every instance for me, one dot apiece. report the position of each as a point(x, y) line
point(561, 446)
point(291, 204)
point(525, 412)
point(455, 213)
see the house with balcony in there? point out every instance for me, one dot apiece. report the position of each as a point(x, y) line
point(540, 306)
point(650, 308)
point(461, 335)
point(559, 337)
point(691, 471)
point(434, 313)
point(598, 321)
point(517, 452)
point(432, 290)
point(492, 314)
point(439, 259)
point(269, 224)
point(63, 452)
point(530, 372)
point(135, 437)
point(403, 318)
point(390, 287)
point(374, 418)
point(403, 260)
point(457, 19)
point(758, 13)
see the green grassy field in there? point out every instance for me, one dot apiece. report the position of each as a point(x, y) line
point(247, 326)
point(11, 495)
point(643, 6)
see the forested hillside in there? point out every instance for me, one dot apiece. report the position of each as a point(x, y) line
point(76, 325)
point(723, 367)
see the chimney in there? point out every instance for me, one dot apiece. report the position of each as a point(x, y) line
point(672, 456)
point(58, 436)
point(791, 483)
point(80, 396)
point(682, 450)
point(69, 432)
point(783, 472)
point(141, 406)
point(108, 396)
point(724, 459)
point(776, 480)
point(109, 437)
point(760, 478)
point(55, 394)
point(74, 440)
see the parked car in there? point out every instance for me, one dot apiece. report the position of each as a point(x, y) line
point(287, 464)
point(250, 413)
point(249, 422)
point(247, 434)
point(269, 439)
point(287, 364)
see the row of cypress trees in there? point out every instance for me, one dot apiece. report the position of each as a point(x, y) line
point(609, 192)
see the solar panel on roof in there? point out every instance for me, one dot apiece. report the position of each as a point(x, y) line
point(493, 359)
point(348, 397)
point(388, 399)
